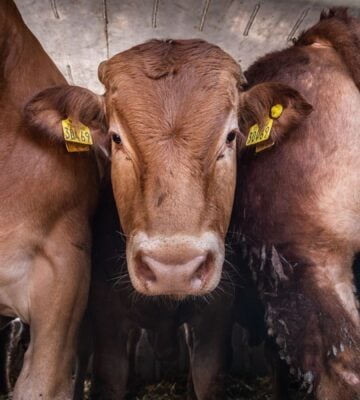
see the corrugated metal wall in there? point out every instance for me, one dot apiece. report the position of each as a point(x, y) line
point(78, 34)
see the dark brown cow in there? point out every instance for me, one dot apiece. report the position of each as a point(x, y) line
point(299, 206)
point(47, 196)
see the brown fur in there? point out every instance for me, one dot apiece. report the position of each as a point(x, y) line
point(297, 213)
point(341, 31)
point(47, 197)
point(190, 106)
point(256, 103)
point(170, 102)
point(48, 108)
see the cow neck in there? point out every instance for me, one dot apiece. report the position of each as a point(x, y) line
point(26, 68)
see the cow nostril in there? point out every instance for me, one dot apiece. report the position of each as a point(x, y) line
point(145, 272)
point(203, 270)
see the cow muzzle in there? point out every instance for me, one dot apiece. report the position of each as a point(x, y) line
point(176, 266)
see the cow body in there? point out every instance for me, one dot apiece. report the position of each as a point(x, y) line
point(44, 219)
point(299, 209)
point(115, 311)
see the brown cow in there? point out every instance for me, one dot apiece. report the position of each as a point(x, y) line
point(47, 196)
point(298, 207)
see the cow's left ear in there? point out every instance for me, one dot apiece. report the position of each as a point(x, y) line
point(268, 111)
point(44, 114)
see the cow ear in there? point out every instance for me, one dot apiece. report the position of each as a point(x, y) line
point(270, 108)
point(45, 112)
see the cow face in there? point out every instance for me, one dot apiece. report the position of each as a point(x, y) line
point(172, 115)
point(169, 119)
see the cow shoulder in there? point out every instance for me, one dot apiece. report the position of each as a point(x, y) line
point(45, 112)
point(341, 31)
point(256, 105)
point(10, 20)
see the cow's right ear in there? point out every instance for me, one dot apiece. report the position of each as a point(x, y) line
point(271, 107)
point(45, 112)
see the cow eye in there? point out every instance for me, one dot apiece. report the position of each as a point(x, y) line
point(116, 138)
point(231, 136)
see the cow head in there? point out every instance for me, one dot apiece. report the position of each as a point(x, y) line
point(171, 115)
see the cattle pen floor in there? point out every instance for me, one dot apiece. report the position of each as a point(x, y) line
point(237, 388)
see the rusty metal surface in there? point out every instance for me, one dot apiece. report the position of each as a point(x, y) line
point(78, 34)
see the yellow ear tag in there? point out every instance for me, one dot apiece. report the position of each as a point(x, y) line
point(263, 146)
point(276, 111)
point(76, 148)
point(77, 136)
point(257, 135)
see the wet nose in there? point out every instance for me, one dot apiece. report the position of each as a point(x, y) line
point(175, 265)
point(183, 275)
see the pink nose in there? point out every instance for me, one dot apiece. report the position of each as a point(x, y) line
point(183, 275)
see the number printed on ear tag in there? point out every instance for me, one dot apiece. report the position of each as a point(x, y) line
point(77, 136)
point(257, 135)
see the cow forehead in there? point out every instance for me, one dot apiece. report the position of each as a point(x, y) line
point(173, 90)
point(158, 58)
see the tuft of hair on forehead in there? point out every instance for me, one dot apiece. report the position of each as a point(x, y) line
point(157, 59)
